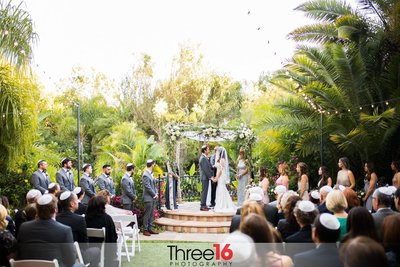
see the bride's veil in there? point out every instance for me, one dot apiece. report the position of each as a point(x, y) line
point(223, 154)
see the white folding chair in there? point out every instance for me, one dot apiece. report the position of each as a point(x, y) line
point(79, 254)
point(129, 232)
point(34, 263)
point(99, 233)
point(121, 242)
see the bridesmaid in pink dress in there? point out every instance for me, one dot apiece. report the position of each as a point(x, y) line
point(283, 169)
point(264, 183)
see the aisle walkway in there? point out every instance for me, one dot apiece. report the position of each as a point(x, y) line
point(172, 236)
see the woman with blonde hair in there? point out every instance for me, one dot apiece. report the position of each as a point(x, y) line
point(336, 203)
point(8, 243)
point(283, 169)
point(242, 176)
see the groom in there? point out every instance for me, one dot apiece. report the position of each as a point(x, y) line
point(205, 176)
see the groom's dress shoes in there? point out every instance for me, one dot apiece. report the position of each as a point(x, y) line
point(153, 232)
point(146, 233)
point(204, 209)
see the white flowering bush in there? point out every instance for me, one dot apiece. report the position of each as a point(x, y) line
point(173, 131)
point(245, 133)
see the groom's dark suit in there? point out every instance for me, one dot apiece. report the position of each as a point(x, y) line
point(213, 184)
point(205, 176)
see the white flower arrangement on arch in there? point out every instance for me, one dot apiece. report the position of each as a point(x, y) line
point(174, 131)
point(211, 131)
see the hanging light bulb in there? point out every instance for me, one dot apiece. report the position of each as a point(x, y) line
point(349, 110)
point(372, 106)
point(387, 103)
point(360, 108)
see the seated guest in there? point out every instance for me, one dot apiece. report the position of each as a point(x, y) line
point(96, 217)
point(21, 216)
point(323, 192)
point(270, 212)
point(11, 224)
point(325, 233)
point(279, 191)
point(45, 238)
point(289, 225)
point(8, 243)
point(305, 213)
point(314, 197)
point(69, 203)
point(391, 239)
point(243, 249)
point(54, 188)
point(82, 207)
point(360, 223)
point(111, 210)
point(248, 207)
point(282, 203)
point(258, 229)
point(397, 199)
point(337, 203)
point(381, 201)
point(363, 252)
point(351, 198)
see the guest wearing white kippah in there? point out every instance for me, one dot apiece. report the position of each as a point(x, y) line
point(305, 213)
point(87, 184)
point(323, 193)
point(325, 233)
point(314, 197)
point(45, 238)
point(21, 216)
point(80, 194)
point(54, 189)
point(381, 201)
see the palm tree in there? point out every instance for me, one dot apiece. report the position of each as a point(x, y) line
point(17, 35)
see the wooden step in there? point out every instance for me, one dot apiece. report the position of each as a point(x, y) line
point(191, 226)
point(201, 216)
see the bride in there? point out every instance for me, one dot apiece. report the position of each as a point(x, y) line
point(223, 201)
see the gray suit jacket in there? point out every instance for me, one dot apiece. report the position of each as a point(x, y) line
point(87, 185)
point(65, 180)
point(205, 168)
point(149, 187)
point(379, 216)
point(127, 189)
point(102, 183)
point(39, 182)
point(46, 240)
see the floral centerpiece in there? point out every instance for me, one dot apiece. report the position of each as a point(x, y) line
point(211, 132)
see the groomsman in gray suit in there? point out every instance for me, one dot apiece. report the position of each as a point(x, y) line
point(87, 184)
point(105, 181)
point(149, 197)
point(128, 188)
point(205, 176)
point(65, 177)
point(40, 179)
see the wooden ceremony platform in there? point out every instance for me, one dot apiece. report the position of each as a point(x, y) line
point(189, 219)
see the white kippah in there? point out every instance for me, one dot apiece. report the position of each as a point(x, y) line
point(329, 221)
point(77, 190)
point(129, 164)
point(150, 161)
point(280, 189)
point(257, 190)
point(51, 185)
point(241, 245)
point(45, 199)
point(326, 189)
point(255, 197)
point(40, 161)
point(315, 194)
point(306, 206)
point(342, 188)
point(65, 195)
point(385, 190)
point(32, 193)
point(84, 165)
point(63, 160)
point(392, 189)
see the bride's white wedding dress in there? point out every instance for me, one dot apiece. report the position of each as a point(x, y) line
point(223, 201)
